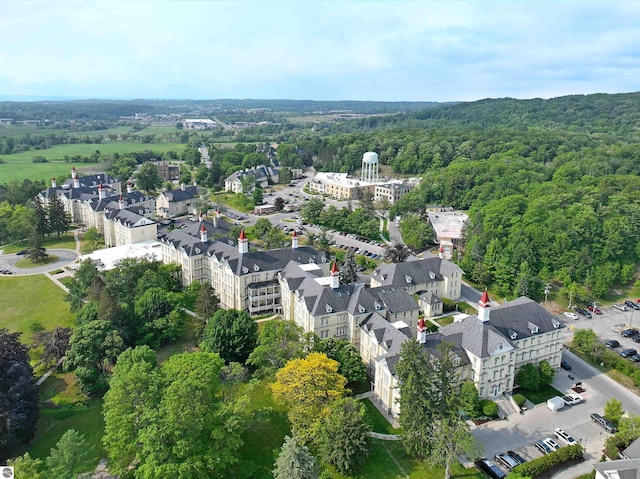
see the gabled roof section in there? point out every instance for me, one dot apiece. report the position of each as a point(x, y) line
point(417, 271)
point(520, 315)
point(178, 195)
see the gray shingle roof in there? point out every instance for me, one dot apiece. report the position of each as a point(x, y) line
point(418, 271)
point(178, 195)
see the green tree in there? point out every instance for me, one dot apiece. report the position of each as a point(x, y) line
point(470, 399)
point(451, 439)
point(206, 304)
point(42, 225)
point(416, 233)
point(258, 195)
point(547, 373)
point(93, 236)
point(279, 203)
point(93, 348)
point(262, 227)
point(273, 239)
point(613, 410)
point(36, 252)
point(306, 387)
point(366, 203)
point(69, 457)
point(343, 438)
point(396, 252)
point(285, 176)
point(80, 283)
point(26, 467)
point(134, 391)
point(278, 343)
point(295, 461)
point(529, 377)
point(147, 178)
point(351, 365)
point(232, 334)
point(312, 209)
point(59, 219)
point(348, 270)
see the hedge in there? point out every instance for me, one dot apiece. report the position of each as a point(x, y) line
point(544, 463)
point(519, 399)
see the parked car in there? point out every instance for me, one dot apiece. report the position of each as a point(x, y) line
point(584, 313)
point(603, 423)
point(565, 437)
point(620, 307)
point(565, 365)
point(506, 460)
point(543, 447)
point(490, 469)
point(516, 457)
point(572, 399)
point(628, 352)
point(629, 333)
point(22, 252)
point(611, 343)
point(551, 443)
point(635, 358)
point(631, 304)
point(571, 315)
point(594, 310)
point(636, 339)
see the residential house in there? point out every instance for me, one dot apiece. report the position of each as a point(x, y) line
point(177, 202)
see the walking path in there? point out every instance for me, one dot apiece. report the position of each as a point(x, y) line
point(48, 373)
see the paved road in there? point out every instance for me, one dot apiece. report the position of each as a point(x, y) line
point(469, 294)
point(65, 257)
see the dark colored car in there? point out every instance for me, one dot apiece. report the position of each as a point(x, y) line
point(628, 352)
point(629, 333)
point(631, 304)
point(490, 469)
point(603, 423)
point(516, 457)
point(636, 339)
point(565, 365)
point(22, 252)
point(584, 313)
point(611, 343)
point(635, 358)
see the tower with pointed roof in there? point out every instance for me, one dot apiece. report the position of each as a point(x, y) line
point(294, 240)
point(335, 275)
point(243, 243)
point(53, 183)
point(422, 331)
point(121, 203)
point(129, 187)
point(203, 233)
point(74, 177)
point(441, 252)
point(102, 193)
point(483, 307)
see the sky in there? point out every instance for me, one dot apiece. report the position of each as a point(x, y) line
point(317, 50)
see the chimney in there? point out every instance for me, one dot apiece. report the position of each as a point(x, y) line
point(335, 275)
point(102, 194)
point(121, 203)
point(129, 187)
point(53, 183)
point(441, 252)
point(183, 187)
point(203, 233)
point(294, 240)
point(483, 307)
point(243, 243)
point(422, 331)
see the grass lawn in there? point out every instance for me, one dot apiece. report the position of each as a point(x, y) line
point(538, 397)
point(234, 200)
point(29, 263)
point(65, 241)
point(377, 420)
point(54, 423)
point(186, 343)
point(18, 166)
point(18, 311)
point(444, 321)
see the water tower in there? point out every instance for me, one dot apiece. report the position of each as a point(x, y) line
point(369, 167)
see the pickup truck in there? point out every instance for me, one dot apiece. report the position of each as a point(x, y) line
point(572, 399)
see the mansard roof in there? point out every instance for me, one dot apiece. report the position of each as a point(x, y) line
point(414, 271)
point(178, 195)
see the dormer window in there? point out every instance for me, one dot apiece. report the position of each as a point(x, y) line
point(256, 267)
point(376, 305)
point(323, 259)
point(533, 328)
point(328, 309)
point(408, 279)
point(556, 323)
point(245, 270)
point(513, 335)
point(311, 261)
point(432, 275)
point(361, 309)
point(501, 346)
point(198, 251)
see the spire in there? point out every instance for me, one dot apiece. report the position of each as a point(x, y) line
point(483, 307)
point(129, 187)
point(335, 275)
point(294, 240)
point(422, 331)
point(102, 194)
point(203, 233)
point(121, 203)
point(53, 183)
point(216, 217)
point(441, 252)
point(73, 172)
point(200, 218)
point(243, 243)
point(74, 177)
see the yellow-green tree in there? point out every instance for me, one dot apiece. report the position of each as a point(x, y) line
point(306, 387)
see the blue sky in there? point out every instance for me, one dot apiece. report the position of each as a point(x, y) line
point(329, 50)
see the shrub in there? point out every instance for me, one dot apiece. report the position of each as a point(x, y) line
point(519, 399)
point(489, 408)
point(544, 463)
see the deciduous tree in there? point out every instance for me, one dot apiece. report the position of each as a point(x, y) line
point(613, 410)
point(396, 252)
point(147, 178)
point(278, 343)
point(348, 357)
point(232, 334)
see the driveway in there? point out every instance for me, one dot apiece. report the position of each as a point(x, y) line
point(65, 257)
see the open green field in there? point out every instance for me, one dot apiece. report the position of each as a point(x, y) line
point(65, 241)
point(18, 166)
point(27, 299)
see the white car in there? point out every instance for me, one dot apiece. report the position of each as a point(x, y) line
point(620, 307)
point(571, 315)
point(565, 437)
point(551, 443)
point(573, 399)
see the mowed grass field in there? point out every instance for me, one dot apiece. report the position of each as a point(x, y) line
point(19, 166)
point(26, 299)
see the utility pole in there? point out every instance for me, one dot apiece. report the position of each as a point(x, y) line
point(570, 298)
point(547, 290)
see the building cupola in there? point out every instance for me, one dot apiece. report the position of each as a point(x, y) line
point(422, 331)
point(335, 275)
point(121, 203)
point(294, 240)
point(483, 307)
point(53, 183)
point(129, 187)
point(441, 252)
point(203, 233)
point(74, 177)
point(102, 194)
point(243, 243)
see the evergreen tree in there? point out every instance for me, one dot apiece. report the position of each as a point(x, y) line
point(348, 270)
point(36, 252)
point(69, 457)
point(59, 219)
point(232, 334)
point(295, 461)
point(43, 227)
